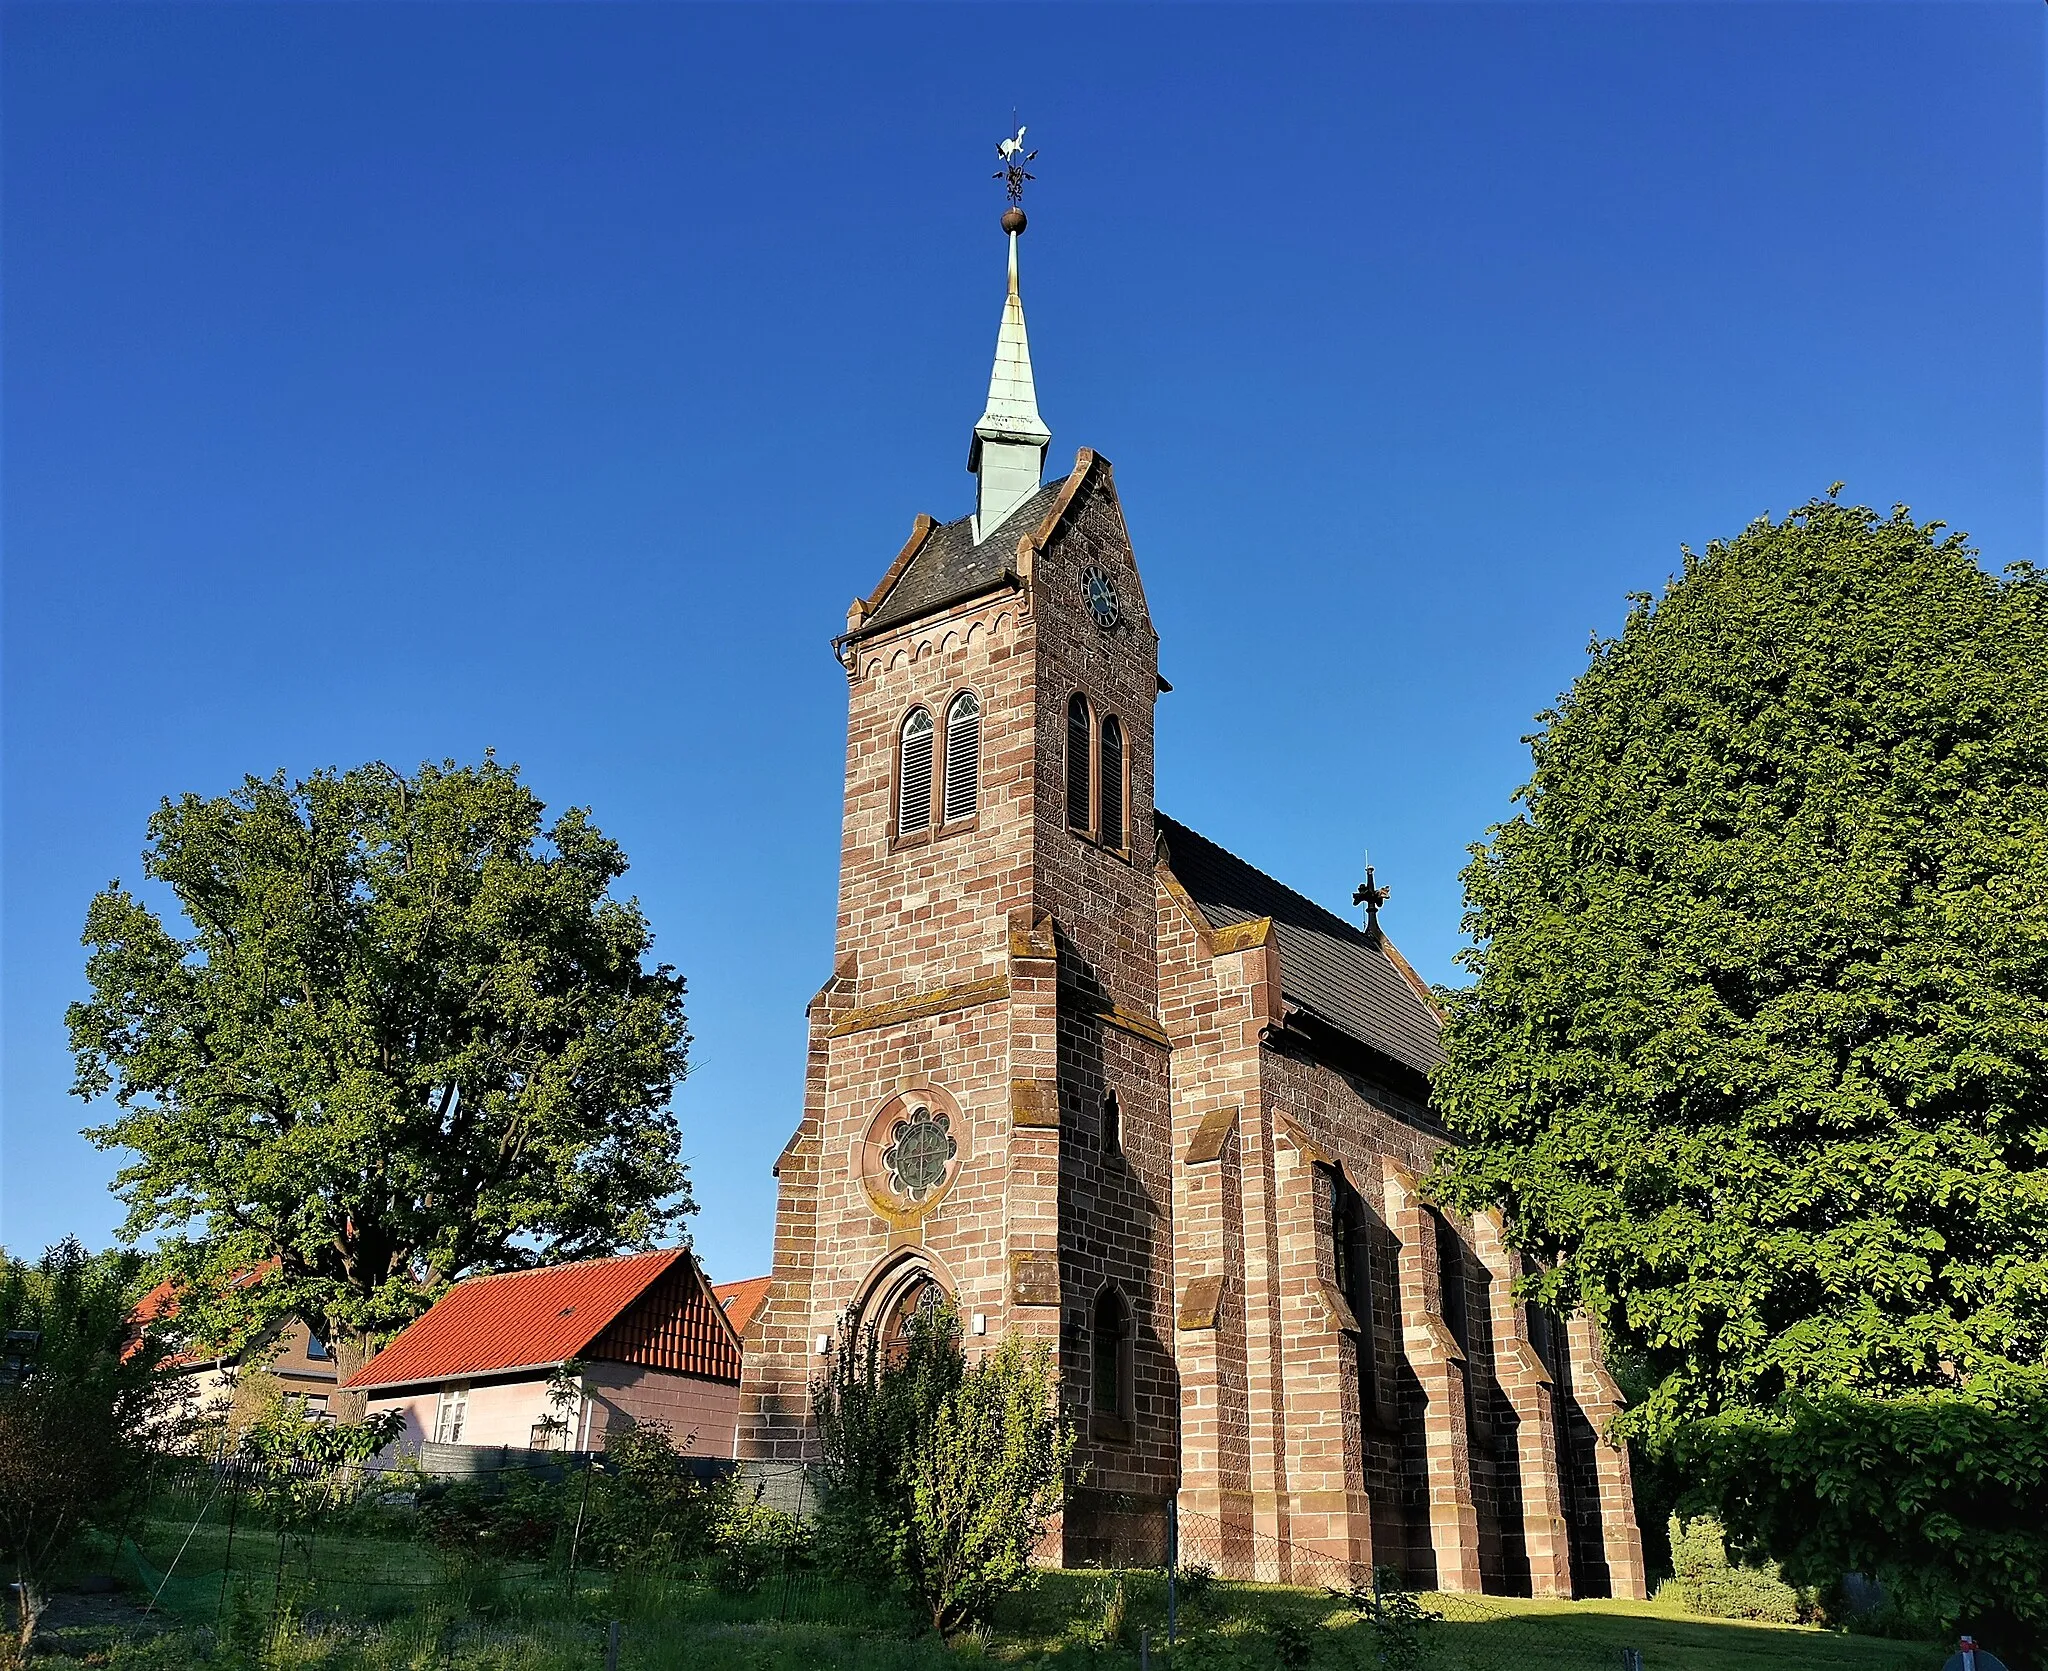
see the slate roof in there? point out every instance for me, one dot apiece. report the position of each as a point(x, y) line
point(538, 1319)
point(1328, 966)
point(950, 566)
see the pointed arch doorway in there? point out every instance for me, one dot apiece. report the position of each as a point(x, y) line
point(907, 1288)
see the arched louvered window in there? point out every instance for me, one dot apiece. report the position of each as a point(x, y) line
point(1080, 758)
point(1112, 782)
point(963, 756)
point(914, 775)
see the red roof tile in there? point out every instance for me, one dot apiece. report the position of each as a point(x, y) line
point(160, 1305)
point(518, 1320)
point(742, 1299)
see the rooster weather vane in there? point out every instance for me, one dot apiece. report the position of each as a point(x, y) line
point(1011, 153)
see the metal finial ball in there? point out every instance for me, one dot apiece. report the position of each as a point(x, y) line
point(1013, 220)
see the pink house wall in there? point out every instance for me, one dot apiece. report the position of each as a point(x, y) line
point(703, 1416)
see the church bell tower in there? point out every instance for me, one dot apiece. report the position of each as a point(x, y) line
point(986, 1103)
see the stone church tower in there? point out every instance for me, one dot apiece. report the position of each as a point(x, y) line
point(1100, 1082)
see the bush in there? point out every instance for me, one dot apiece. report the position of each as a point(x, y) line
point(1937, 1497)
point(1704, 1581)
point(1398, 1621)
point(648, 1508)
point(874, 1408)
point(515, 1518)
point(80, 1397)
point(940, 1474)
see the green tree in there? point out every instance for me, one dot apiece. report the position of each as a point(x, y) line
point(409, 1036)
point(1757, 1053)
point(80, 1398)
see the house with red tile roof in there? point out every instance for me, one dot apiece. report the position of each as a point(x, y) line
point(212, 1383)
point(742, 1300)
point(650, 1338)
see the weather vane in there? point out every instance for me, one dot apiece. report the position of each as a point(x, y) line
point(1011, 153)
point(1372, 898)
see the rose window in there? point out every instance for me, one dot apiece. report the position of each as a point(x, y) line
point(920, 1148)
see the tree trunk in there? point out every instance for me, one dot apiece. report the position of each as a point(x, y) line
point(351, 1352)
point(33, 1603)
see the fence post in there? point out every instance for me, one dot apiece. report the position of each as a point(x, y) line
point(277, 1586)
point(1172, 1566)
point(611, 1648)
point(227, 1560)
point(803, 1481)
point(576, 1537)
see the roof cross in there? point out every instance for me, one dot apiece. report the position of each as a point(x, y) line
point(1372, 898)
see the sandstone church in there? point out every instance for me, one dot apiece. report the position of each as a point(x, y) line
point(1098, 1081)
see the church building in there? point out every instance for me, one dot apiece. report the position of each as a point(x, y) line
point(1100, 1082)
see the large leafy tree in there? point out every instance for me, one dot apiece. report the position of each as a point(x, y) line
point(1757, 1053)
point(410, 1035)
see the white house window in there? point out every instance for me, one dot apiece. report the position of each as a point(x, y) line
point(963, 756)
point(449, 1412)
point(914, 778)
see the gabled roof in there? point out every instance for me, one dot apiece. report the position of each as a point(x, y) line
point(1328, 967)
point(950, 567)
point(742, 1299)
point(161, 1305)
point(539, 1319)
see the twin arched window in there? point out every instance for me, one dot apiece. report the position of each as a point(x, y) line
point(959, 788)
point(1098, 775)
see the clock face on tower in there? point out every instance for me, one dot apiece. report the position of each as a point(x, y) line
point(1099, 593)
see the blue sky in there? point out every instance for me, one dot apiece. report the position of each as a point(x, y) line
point(398, 382)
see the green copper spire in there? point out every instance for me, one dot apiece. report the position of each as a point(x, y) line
point(1008, 451)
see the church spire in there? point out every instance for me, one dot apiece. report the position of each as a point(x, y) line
point(1008, 450)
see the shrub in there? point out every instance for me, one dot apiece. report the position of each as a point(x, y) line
point(79, 1398)
point(874, 1407)
point(649, 1508)
point(939, 1474)
point(1937, 1497)
point(1398, 1621)
point(1704, 1581)
point(515, 1518)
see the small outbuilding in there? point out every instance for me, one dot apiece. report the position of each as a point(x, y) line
point(483, 1366)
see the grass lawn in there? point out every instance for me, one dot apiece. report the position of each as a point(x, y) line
point(390, 1604)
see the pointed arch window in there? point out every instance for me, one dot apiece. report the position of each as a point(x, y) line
point(1080, 763)
point(963, 757)
point(1351, 1248)
point(1112, 1125)
point(1112, 782)
point(1450, 1265)
point(914, 774)
point(1110, 1402)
